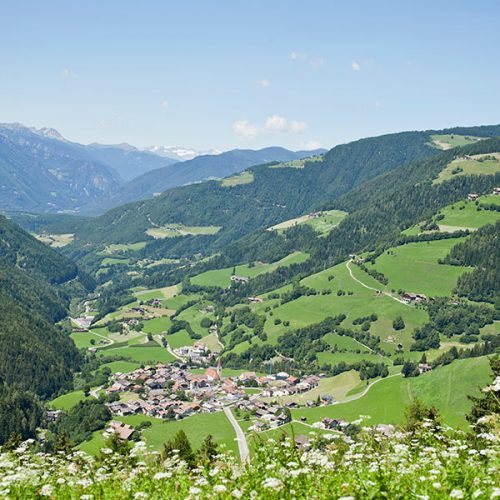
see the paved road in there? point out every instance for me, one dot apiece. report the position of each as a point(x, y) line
point(371, 288)
point(240, 436)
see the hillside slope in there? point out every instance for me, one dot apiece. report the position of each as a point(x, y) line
point(198, 169)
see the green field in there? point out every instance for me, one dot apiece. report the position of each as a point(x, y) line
point(322, 222)
point(344, 342)
point(414, 267)
point(236, 180)
point(175, 230)
point(67, 401)
point(363, 302)
point(197, 427)
point(466, 214)
point(140, 354)
point(157, 325)
point(338, 387)
point(114, 261)
point(83, 340)
point(446, 388)
point(476, 165)
point(222, 277)
point(121, 366)
point(55, 240)
point(121, 248)
point(448, 141)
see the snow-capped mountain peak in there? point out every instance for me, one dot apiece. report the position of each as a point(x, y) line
point(179, 153)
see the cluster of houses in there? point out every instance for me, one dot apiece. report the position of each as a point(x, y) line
point(414, 298)
point(171, 392)
point(239, 279)
point(198, 353)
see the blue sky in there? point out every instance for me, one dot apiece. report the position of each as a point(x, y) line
point(224, 74)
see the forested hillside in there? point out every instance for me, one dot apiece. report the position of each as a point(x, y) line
point(198, 169)
point(36, 358)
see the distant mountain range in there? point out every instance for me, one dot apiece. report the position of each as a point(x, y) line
point(179, 153)
point(41, 171)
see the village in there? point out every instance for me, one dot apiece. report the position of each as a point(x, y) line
point(173, 392)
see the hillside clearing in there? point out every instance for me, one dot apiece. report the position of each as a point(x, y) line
point(322, 222)
point(471, 165)
point(237, 180)
point(176, 230)
point(448, 141)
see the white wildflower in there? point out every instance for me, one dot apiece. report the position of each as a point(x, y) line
point(456, 494)
point(436, 485)
point(219, 488)
point(236, 493)
point(162, 475)
point(272, 483)
point(46, 490)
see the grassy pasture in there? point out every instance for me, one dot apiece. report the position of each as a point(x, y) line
point(174, 230)
point(140, 354)
point(222, 277)
point(322, 222)
point(337, 386)
point(414, 267)
point(67, 401)
point(466, 214)
point(448, 141)
point(55, 240)
point(446, 388)
point(157, 325)
point(197, 427)
point(236, 180)
point(363, 302)
point(122, 247)
point(82, 340)
point(121, 366)
point(476, 165)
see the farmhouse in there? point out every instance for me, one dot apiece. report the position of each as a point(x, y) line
point(472, 196)
point(496, 190)
point(239, 279)
point(124, 431)
point(409, 297)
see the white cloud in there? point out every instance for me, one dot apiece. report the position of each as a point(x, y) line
point(67, 73)
point(355, 66)
point(265, 82)
point(298, 127)
point(276, 123)
point(297, 56)
point(272, 124)
point(164, 104)
point(317, 62)
point(245, 129)
point(310, 145)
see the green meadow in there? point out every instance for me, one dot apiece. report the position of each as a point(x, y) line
point(476, 165)
point(322, 222)
point(140, 353)
point(222, 277)
point(385, 402)
point(237, 180)
point(466, 214)
point(414, 267)
point(448, 141)
point(174, 230)
point(67, 401)
point(311, 309)
point(197, 427)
